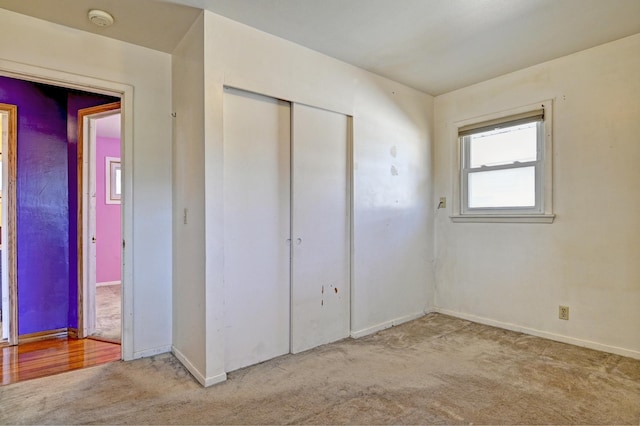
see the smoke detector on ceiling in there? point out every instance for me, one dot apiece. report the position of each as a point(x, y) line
point(100, 18)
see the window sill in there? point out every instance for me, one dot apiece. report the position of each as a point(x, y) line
point(503, 218)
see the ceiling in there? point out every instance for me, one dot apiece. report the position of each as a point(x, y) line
point(432, 45)
point(151, 23)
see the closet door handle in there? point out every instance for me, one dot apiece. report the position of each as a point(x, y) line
point(299, 240)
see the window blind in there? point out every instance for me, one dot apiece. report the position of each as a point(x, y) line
point(499, 123)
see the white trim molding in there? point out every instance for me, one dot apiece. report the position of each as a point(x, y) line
point(107, 283)
point(503, 218)
point(151, 352)
point(384, 325)
point(204, 381)
point(544, 183)
point(540, 333)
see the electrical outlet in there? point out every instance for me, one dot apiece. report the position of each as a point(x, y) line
point(563, 312)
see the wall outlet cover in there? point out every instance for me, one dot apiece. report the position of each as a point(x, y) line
point(563, 312)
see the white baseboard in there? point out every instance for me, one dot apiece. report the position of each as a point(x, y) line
point(370, 330)
point(204, 381)
point(151, 352)
point(540, 333)
point(219, 378)
point(106, 283)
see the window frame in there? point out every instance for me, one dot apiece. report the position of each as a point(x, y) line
point(542, 212)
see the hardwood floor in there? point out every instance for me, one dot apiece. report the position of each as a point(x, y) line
point(48, 357)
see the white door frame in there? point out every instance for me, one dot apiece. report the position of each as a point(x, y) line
point(125, 92)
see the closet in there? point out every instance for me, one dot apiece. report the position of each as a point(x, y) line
point(287, 227)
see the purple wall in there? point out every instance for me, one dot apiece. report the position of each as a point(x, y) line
point(107, 217)
point(46, 205)
point(76, 100)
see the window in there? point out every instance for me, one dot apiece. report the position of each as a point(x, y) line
point(505, 167)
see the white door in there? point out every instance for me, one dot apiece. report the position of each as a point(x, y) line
point(321, 228)
point(89, 225)
point(256, 228)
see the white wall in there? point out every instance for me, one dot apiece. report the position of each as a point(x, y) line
point(516, 275)
point(392, 199)
point(392, 142)
point(189, 193)
point(78, 58)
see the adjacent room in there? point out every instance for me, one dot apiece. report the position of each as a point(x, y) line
point(283, 211)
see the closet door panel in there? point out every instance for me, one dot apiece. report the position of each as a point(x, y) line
point(320, 228)
point(257, 226)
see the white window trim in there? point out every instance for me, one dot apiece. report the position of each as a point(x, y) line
point(546, 214)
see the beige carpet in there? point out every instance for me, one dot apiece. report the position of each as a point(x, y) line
point(108, 305)
point(435, 370)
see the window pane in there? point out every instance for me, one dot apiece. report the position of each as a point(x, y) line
point(503, 188)
point(504, 146)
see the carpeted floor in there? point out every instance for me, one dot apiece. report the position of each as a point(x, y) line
point(108, 302)
point(434, 370)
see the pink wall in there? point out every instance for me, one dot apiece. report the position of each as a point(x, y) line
point(108, 242)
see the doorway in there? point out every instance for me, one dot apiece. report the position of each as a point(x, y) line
point(8, 309)
point(99, 224)
point(66, 93)
point(45, 172)
point(39, 253)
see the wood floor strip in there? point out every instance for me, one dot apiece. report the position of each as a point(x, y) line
point(48, 357)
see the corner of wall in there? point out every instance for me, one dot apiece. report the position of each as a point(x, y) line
point(201, 378)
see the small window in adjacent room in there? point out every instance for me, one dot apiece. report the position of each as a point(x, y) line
point(505, 165)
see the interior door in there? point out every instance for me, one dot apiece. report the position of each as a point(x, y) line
point(87, 214)
point(90, 271)
point(256, 228)
point(321, 227)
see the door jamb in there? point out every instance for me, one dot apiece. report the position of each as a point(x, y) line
point(9, 196)
point(84, 115)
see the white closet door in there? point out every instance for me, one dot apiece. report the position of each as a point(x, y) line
point(257, 228)
point(320, 232)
